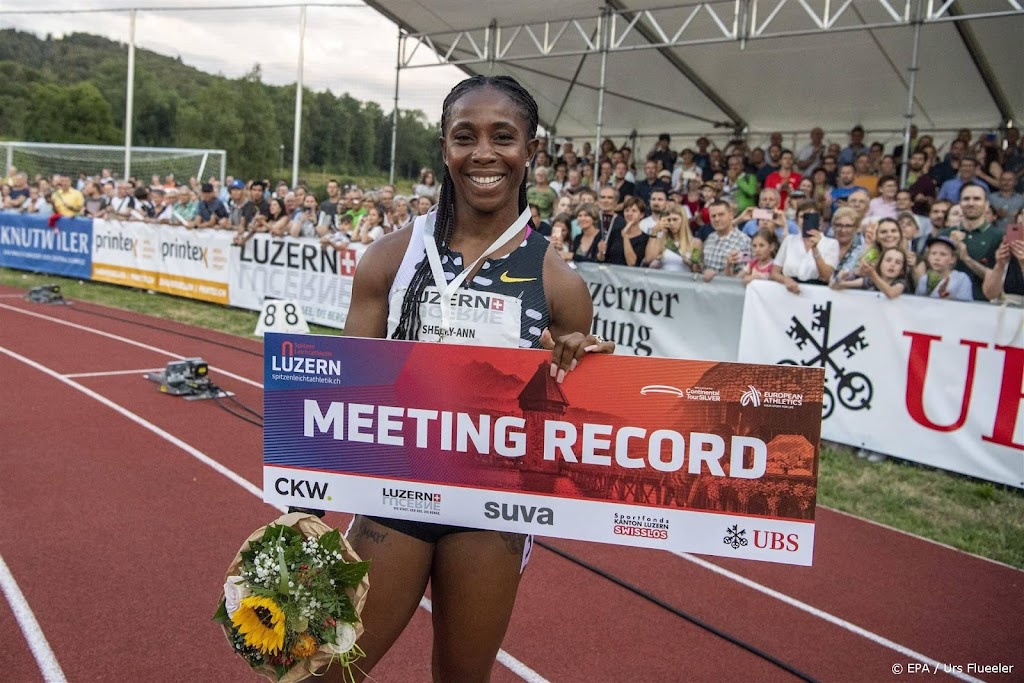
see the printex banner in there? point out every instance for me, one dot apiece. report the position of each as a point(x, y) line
point(318, 279)
point(650, 313)
point(936, 382)
point(30, 243)
point(174, 260)
point(658, 453)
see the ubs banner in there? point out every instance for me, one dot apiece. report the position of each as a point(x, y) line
point(29, 243)
point(708, 457)
point(936, 382)
point(320, 280)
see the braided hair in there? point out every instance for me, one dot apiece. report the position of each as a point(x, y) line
point(444, 225)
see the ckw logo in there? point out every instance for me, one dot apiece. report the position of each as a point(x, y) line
point(752, 397)
point(852, 389)
point(301, 488)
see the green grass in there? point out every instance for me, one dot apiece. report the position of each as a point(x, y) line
point(977, 517)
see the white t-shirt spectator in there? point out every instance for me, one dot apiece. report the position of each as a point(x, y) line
point(798, 263)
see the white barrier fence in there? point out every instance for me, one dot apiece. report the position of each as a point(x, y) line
point(934, 382)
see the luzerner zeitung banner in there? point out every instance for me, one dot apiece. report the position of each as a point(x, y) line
point(716, 458)
point(936, 382)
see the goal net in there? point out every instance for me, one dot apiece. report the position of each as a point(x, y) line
point(45, 159)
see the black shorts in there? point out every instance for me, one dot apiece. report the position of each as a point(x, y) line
point(424, 531)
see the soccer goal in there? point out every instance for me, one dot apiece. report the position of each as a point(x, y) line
point(45, 159)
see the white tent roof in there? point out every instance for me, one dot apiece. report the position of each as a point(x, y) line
point(792, 72)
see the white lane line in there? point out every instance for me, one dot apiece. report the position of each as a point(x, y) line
point(12, 296)
point(513, 664)
point(821, 614)
point(510, 662)
point(919, 538)
point(47, 661)
point(111, 373)
point(194, 452)
point(130, 342)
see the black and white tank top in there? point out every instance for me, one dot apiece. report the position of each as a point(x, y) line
point(517, 275)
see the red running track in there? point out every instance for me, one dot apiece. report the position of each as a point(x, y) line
point(118, 538)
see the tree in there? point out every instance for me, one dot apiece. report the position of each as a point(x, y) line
point(74, 114)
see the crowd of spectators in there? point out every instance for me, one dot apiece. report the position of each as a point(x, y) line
point(844, 215)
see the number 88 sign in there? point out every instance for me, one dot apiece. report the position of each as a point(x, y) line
point(281, 315)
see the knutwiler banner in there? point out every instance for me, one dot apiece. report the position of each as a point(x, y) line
point(707, 457)
point(650, 313)
point(170, 259)
point(31, 243)
point(318, 279)
point(936, 382)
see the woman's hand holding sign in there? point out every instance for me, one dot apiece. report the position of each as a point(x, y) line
point(569, 350)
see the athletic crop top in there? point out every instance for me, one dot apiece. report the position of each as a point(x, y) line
point(519, 274)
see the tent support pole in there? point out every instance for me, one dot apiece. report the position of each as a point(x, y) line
point(605, 37)
point(129, 99)
point(911, 87)
point(394, 113)
point(297, 137)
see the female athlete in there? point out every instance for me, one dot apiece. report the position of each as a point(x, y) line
point(479, 238)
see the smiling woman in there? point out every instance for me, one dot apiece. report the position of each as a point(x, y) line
point(412, 285)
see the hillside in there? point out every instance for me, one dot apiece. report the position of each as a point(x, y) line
point(71, 89)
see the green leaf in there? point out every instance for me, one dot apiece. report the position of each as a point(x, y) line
point(283, 566)
point(351, 573)
point(221, 616)
point(331, 541)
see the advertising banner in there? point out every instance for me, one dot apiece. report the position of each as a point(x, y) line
point(126, 253)
point(936, 382)
point(171, 259)
point(29, 243)
point(671, 315)
point(318, 279)
point(707, 457)
point(194, 263)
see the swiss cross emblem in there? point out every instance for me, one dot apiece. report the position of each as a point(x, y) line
point(347, 263)
point(497, 305)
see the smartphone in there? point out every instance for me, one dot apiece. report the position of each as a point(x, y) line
point(764, 215)
point(1014, 233)
point(811, 221)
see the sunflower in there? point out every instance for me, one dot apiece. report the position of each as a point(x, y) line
point(261, 621)
point(305, 645)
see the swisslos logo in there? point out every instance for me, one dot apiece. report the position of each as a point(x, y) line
point(737, 538)
point(516, 513)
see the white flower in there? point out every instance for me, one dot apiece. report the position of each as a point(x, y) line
point(346, 639)
point(235, 591)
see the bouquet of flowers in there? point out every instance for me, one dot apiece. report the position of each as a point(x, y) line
point(292, 598)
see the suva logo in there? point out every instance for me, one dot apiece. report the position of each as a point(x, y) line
point(301, 488)
point(751, 397)
point(513, 513)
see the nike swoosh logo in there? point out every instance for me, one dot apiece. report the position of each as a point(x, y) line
point(506, 278)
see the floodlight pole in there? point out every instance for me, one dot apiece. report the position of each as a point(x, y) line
point(605, 36)
point(394, 113)
point(297, 139)
point(129, 100)
point(911, 87)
